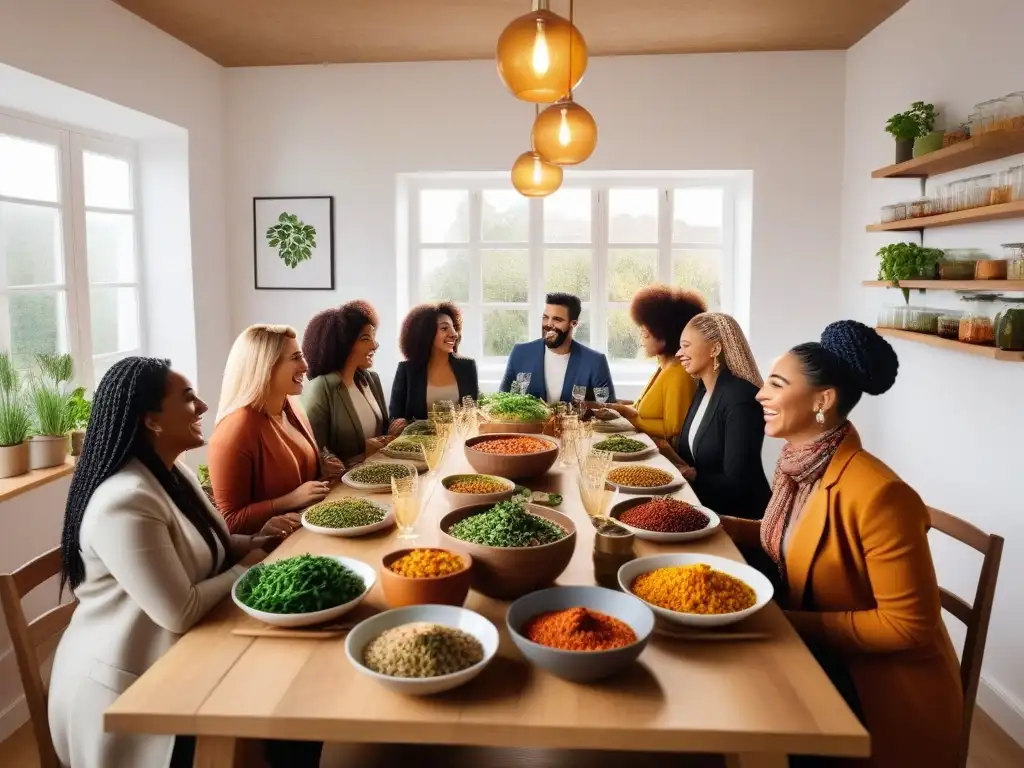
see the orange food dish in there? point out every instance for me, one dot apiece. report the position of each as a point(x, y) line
point(513, 446)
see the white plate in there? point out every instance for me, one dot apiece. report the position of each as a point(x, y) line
point(756, 580)
point(448, 615)
point(646, 453)
point(357, 530)
point(713, 524)
point(368, 574)
point(659, 490)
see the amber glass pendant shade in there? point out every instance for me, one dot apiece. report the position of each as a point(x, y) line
point(535, 53)
point(565, 133)
point(533, 176)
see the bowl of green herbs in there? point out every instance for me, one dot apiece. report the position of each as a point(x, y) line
point(303, 590)
point(513, 412)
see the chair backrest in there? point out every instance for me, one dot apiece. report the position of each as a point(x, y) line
point(34, 641)
point(975, 616)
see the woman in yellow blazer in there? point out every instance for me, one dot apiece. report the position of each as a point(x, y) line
point(849, 542)
point(662, 313)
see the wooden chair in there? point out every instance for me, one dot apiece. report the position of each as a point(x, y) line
point(35, 641)
point(975, 616)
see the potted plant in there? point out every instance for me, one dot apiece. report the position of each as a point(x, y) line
point(80, 411)
point(15, 420)
point(907, 261)
point(51, 402)
point(907, 127)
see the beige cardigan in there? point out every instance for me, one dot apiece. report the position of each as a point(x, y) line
point(146, 583)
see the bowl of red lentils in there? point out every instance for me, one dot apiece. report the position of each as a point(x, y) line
point(511, 455)
point(463, 490)
point(664, 519)
point(425, 576)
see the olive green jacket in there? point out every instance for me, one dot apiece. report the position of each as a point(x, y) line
point(333, 417)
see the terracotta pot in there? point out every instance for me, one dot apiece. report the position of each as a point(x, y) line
point(13, 460)
point(77, 441)
point(400, 591)
point(520, 465)
point(48, 451)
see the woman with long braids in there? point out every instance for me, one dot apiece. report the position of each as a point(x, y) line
point(849, 542)
point(719, 447)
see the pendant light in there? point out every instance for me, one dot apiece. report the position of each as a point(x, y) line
point(533, 176)
point(539, 53)
point(565, 133)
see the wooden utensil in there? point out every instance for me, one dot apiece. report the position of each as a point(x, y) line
point(707, 636)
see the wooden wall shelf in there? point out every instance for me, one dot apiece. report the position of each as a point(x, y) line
point(1012, 210)
point(951, 285)
point(956, 346)
point(988, 146)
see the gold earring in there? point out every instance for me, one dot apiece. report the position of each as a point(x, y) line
point(819, 415)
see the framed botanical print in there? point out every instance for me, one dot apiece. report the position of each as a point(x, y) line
point(293, 243)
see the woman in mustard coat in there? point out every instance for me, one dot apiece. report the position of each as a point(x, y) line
point(848, 540)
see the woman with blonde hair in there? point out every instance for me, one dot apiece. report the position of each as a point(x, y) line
point(719, 446)
point(264, 460)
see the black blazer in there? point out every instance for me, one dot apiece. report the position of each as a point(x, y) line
point(409, 390)
point(730, 476)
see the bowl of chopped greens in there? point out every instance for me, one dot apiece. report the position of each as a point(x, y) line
point(303, 590)
point(349, 516)
point(625, 448)
point(516, 547)
point(512, 412)
point(376, 475)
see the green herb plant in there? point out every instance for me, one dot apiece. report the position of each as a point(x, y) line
point(508, 406)
point(15, 418)
point(51, 400)
point(905, 261)
point(919, 120)
point(303, 584)
point(507, 524)
point(293, 238)
point(81, 409)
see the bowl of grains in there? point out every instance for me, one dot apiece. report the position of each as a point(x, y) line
point(422, 649)
point(580, 633)
point(426, 575)
point(511, 455)
point(349, 516)
point(463, 490)
point(662, 518)
point(696, 590)
point(624, 448)
point(516, 547)
point(643, 478)
point(376, 475)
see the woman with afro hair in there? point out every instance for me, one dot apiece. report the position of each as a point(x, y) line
point(431, 371)
point(661, 314)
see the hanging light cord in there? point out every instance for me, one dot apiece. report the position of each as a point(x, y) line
point(572, 28)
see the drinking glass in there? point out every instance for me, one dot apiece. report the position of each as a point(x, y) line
point(601, 395)
point(405, 498)
point(523, 380)
point(596, 495)
point(568, 441)
point(432, 449)
point(444, 423)
point(579, 394)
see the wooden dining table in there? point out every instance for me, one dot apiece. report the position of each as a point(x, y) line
point(753, 700)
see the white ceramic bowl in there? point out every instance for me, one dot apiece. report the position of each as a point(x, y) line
point(660, 490)
point(640, 437)
point(357, 530)
point(665, 538)
point(448, 615)
point(752, 577)
point(469, 499)
point(367, 572)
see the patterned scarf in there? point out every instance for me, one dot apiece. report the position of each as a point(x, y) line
point(799, 468)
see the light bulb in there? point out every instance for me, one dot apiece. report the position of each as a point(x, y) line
point(564, 134)
point(541, 55)
point(538, 171)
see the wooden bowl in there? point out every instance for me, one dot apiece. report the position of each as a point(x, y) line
point(400, 591)
point(510, 572)
point(465, 499)
point(512, 466)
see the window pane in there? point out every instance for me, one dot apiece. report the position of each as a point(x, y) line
point(444, 216)
point(629, 270)
point(701, 270)
point(100, 365)
point(38, 324)
point(503, 329)
point(28, 169)
point(504, 216)
point(110, 239)
point(582, 334)
point(444, 274)
point(31, 244)
point(633, 215)
point(568, 270)
point(506, 275)
point(623, 336)
point(115, 320)
point(697, 216)
point(107, 181)
point(567, 216)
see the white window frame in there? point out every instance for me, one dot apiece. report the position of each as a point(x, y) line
point(71, 142)
point(626, 372)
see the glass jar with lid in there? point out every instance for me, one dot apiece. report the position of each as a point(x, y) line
point(1014, 261)
point(922, 320)
point(1016, 181)
point(888, 213)
point(977, 326)
point(1009, 324)
point(948, 324)
point(990, 269)
point(1015, 110)
point(958, 264)
point(1001, 191)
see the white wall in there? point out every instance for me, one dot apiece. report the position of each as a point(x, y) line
point(952, 425)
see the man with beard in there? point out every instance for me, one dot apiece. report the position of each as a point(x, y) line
point(555, 362)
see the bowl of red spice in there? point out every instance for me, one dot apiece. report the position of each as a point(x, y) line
point(425, 576)
point(581, 634)
point(664, 519)
point(511, 455)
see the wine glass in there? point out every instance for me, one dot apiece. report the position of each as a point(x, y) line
point(444, 423)
point(601, 395)
point(432, 449)
point(523, 379)
point(405, 498)
point(579, 394)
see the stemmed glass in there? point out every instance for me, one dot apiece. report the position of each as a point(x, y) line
point(405, 498)
point(601, 395)
point(579, 394)
point(444, 423)
point(432, 448)
point(523, 380)
point(593, 483)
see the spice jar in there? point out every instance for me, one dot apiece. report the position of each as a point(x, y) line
point(948, 325)
point(1001, 188)
point(1014, 261)
point(978, 325)
point(613, 548)
point(921, 320)
point(1010, 325)
point(888, 213)
point(990, 269)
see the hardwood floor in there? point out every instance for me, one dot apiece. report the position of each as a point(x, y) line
point(991, 747)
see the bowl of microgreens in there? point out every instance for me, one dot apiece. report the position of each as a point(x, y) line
point(513, 412)
point(303, 590)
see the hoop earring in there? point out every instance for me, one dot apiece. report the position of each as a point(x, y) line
point(819, 415)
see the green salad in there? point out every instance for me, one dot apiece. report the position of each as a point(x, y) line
point(303, 584)
point(619, 444)
point(507, 524)
point(506, 406)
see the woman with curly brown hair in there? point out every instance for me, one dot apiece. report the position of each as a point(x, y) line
point(345, 401)
point(431, 371)
point(662, 313)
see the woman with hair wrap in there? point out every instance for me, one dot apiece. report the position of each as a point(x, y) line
point(848, 540)
point(719, 446)
point(146, 555)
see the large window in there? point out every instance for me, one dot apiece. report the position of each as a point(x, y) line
point(496, 254)
point(69, 276)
